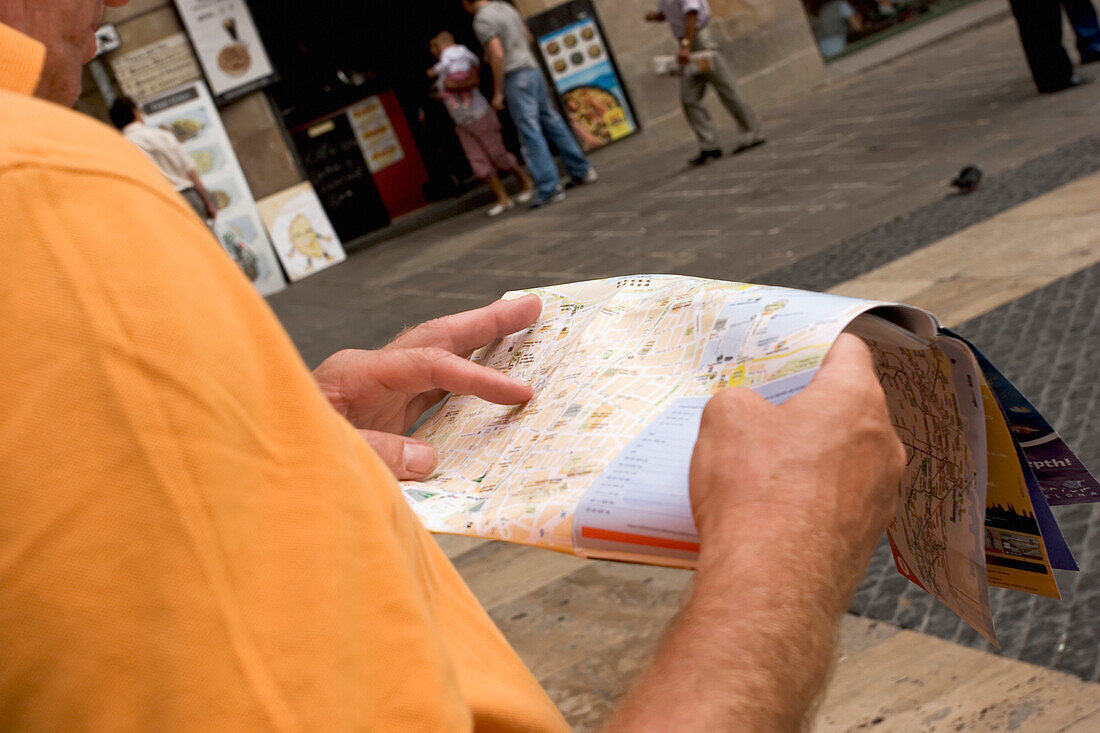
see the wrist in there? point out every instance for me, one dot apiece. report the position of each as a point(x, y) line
point(782, 548)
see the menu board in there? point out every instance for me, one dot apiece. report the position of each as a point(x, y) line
point(334, 162)
point(375, 134)
point(304, 239)
point(584, 74)
point(156, 68)
point(191, 115)
point(228, 45)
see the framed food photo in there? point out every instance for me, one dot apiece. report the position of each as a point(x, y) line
point(304, 239)
point(228, 45)
point(189, 113)
point(582, 69)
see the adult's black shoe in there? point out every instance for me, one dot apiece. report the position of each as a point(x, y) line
point(704, 156)
point(1074, 81)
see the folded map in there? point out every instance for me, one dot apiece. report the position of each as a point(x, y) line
point(596, 463)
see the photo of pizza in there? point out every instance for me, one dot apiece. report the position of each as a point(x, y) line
point(590, 109)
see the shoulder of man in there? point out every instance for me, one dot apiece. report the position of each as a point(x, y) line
point(486, 25)
point(42, 134)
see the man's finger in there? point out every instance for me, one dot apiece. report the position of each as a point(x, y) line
point(409, 459)
point(849, 358)
point(462, 333)
point(850, 350)
point(414, 371)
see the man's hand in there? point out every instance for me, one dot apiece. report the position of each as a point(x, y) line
point(655, 16)
point(684, 55)
point(494, 52)
point(827, 461)
point(789, 501)
point(382, 393)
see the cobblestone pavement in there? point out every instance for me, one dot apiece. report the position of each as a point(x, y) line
point(852, 177)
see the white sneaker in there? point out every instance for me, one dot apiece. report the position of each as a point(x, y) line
point(498, 208)
point(590, 176)
point(524, 196)
point(555, 197)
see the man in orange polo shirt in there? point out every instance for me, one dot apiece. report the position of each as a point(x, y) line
point(193, 538)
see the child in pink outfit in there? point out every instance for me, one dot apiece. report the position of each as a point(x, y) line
point(456, 65)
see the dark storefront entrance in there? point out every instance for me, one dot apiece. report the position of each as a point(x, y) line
point(846, 26)
point(364, 74)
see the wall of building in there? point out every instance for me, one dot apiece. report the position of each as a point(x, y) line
point(768, 43)
point(251, 123)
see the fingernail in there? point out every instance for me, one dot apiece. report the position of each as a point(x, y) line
point(419, 457)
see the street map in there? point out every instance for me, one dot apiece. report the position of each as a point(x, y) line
point(937, 533)
point(596, 463)
point(605, 359)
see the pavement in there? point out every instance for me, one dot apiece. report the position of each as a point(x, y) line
point(849, 194)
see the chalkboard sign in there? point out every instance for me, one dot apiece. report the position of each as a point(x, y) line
point(335, 165)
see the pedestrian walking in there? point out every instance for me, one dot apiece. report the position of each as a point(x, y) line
point(476, 123)
point(518, 79)
point(688, 20)
point(164, 150)
point(1040, 25)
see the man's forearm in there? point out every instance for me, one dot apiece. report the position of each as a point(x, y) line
point(752, 648)
point(197, 183)
point(496, 63)
point(690, 21)
point(789, 501)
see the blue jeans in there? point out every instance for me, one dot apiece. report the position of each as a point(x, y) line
point(536, 121)
point(1082, 16)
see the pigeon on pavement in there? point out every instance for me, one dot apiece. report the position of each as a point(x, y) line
point(968, 180)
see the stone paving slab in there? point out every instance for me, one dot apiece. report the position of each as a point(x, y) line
point(910, 683)
point(948, 214)
point(983, 266)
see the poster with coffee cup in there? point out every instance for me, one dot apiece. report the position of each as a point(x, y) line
point(228, 45)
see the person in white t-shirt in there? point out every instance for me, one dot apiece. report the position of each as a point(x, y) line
point(456, 66)
point(164, 150)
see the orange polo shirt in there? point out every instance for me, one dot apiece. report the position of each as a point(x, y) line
point(190, 537)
